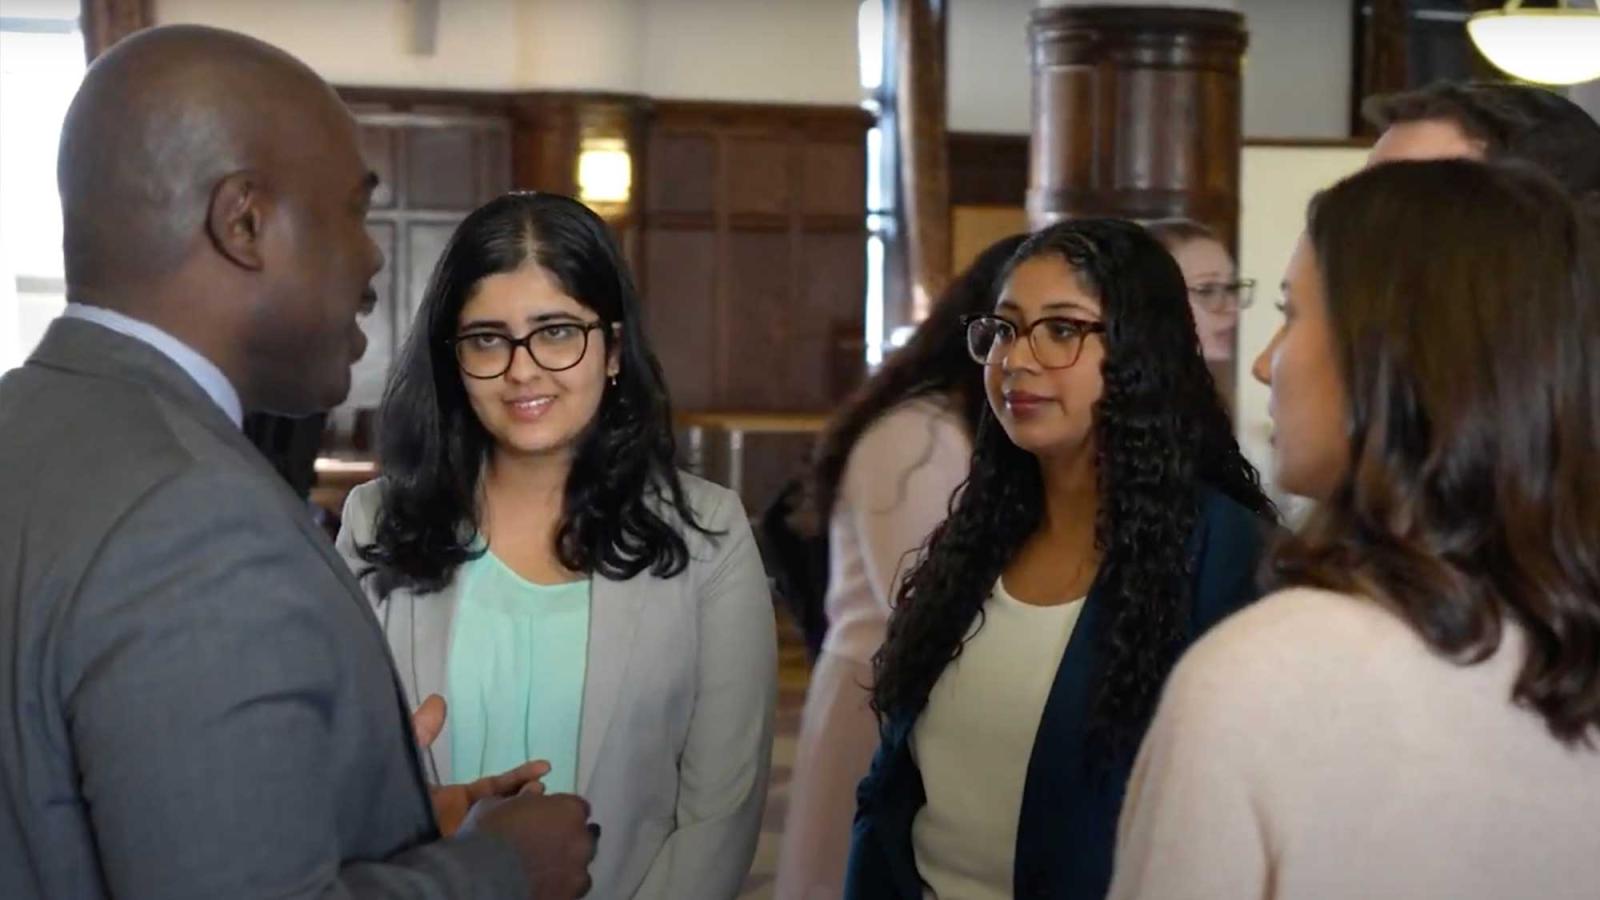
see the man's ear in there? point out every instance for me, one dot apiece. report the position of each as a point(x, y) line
point(236, 219)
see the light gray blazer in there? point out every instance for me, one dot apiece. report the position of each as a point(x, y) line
point(197, 700)
point(676, 733)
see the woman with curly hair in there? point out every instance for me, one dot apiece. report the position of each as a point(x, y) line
point(884, 474)
point(1108, 520)
point(536, 560)
point(1416, 712)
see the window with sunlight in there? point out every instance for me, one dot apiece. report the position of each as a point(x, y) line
point(41, 64)
point(870, 35)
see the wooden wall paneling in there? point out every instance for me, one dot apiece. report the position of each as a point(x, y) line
point(756, 314)
point(678, 281)
point(545, 144)
point(756, 169)
point(549, 132)
point(829, 338)
point(681, 174)
point(754, 231)
point(988, 169)
point(679, 311)
point(832, 178)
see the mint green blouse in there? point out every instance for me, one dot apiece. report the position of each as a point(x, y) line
point(518, 658)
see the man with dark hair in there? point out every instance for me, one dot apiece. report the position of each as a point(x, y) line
point(1490, 120)
point(198, 700)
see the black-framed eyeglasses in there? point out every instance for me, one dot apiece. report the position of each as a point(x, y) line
point(991, 338)
point(1224, 296)
point(557, 347)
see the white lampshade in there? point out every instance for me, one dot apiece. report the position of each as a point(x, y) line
point(1547, 46)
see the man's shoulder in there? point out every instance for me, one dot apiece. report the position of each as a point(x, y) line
point(80, 449)
point(82, 453)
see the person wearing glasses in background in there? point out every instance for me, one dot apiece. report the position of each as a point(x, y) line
point(1216, 292)
point(1109, 520)
point(537, 561)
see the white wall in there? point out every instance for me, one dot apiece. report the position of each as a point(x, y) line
point(1587, 95)
point(1297, 76)
point(1276, 185)
point(595, 45)
point(794, 51)
point(989, 78)
point(1296, 81)
point(365, 42)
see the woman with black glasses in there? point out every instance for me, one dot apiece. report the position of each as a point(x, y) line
point(1109, 519)
point(1216, 292)
point(536, 560)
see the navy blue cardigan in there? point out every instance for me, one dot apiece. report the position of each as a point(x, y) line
point(1066, 830)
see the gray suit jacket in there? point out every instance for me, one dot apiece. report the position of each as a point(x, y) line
point(198, 701)
point(676, 734)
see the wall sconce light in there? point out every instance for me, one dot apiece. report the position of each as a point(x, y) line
point(605, 172)
point(1547, 46)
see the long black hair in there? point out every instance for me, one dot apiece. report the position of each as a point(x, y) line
point(933, 362)
point(433, 448)
point(1160, 432)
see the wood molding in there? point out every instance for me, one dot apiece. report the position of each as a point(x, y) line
point(405, 99)
point(1354, 143)
point(849, 120)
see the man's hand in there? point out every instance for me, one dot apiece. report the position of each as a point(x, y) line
point(552, 839)
point(428, 720)
point(451, 802)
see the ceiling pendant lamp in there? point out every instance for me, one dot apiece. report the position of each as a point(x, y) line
point(1545, 46)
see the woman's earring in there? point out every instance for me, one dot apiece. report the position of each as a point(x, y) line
point(613, 380)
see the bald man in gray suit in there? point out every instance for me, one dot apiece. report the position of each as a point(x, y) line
point(199, 702)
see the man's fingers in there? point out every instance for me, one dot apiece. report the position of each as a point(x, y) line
point(428, 720)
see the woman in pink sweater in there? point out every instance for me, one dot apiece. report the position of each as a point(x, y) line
point(1415, 714)
point(884, 474)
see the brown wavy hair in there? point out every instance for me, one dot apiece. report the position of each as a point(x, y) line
point(1464, 299)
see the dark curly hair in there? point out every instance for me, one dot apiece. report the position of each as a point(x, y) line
point(1160, 433)
point(433, 448)
point(1472, 370)
point(933, 362)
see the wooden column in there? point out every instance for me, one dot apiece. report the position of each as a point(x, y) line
point(1136, 114)
point(1381, 58)
point(920, 69)
point(104, 22)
